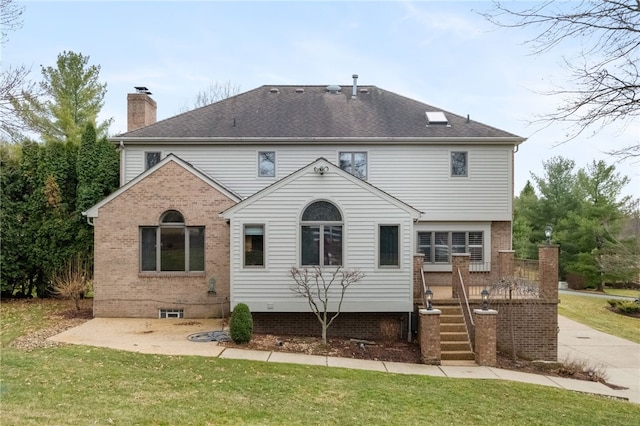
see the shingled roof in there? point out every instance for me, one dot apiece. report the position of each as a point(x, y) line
point(316, 112)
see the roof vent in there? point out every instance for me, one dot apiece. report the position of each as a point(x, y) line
point(436, 117)
point(299, 90)
point(274, 90)
point(334, 88)
point(363, 90)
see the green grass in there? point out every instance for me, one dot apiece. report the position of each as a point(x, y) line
point(592, 311)
point(86, 385)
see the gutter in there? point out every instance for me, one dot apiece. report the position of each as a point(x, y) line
point(505, 140)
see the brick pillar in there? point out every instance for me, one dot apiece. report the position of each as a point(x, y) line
point(459, 261)
point(418, 262)
point(548, 271)
point(430, 336)
point(485, 339)
point(505, 263)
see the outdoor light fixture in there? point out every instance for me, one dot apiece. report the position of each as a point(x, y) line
point(485, 299)
point(429, 295)
point(321, 170)
point(547, 233)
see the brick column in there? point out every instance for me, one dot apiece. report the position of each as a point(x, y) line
point(459, 261)
point(548, 271)
point(485, 339)
point(505, 263)
point(430, 336)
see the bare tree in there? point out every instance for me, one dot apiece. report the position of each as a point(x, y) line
point(514, 288)
point(14, 83)
point(10, 18)
point(605, 74)
point(315, 285)
point(213, 93)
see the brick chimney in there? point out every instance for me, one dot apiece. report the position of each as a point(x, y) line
point(141, 109)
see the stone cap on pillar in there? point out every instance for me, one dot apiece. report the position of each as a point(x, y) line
point(430, 311)
point(487, 312)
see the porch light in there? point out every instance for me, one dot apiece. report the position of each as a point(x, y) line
point(485, 299)
point(429, 295)
point(547, 233)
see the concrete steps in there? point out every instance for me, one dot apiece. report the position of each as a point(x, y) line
point(454, 339)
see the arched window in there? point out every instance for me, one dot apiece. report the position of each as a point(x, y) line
point(321, 235)
point(172, 246)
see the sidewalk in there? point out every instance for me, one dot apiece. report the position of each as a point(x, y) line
point(620, 358)
point(169, 337)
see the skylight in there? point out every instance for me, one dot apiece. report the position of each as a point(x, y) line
point(436, 117)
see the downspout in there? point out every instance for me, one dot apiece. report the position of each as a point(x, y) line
point(122, 162)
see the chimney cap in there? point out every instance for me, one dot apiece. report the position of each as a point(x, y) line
point(142, 89)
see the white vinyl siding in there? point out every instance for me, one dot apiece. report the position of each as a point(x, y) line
point(419, 175)
point(268, 289)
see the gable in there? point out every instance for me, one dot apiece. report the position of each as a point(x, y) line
point(170, 159)
point(319, 169)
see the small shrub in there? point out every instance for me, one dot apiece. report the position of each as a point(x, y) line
point(73, 281)
point(625, 306)
point(628, 307)
point(241, 324)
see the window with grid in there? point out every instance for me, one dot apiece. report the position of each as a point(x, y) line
point(354, 163)
point(437, 246)
point(171, 246)
point(321, 235)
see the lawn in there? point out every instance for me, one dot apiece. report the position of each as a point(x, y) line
point(622, 292)
point(86, 385)
point(592, 311)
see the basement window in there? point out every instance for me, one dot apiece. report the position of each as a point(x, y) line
point(170, 313)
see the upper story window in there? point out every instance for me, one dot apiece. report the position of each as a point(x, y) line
point(266, 164)
point(459, 163)
point(321, 235)
point(151, 159)
point(354, 163)
point(437, 246)
point(172, 246)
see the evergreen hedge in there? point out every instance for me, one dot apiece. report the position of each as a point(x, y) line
point(241, 324)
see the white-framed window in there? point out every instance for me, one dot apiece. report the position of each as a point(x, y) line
point(321, 235)
point(459, 164)
point(266, 163)
point(253, 245)
point(437, 246)
point(170, 313)
point(151, 158)
point(388, 246)
point(354, 163)
point(172, 246)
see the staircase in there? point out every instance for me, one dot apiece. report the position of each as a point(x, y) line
point(455, 346)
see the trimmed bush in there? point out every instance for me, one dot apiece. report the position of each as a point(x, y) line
point(625, 306)
point(241, 324)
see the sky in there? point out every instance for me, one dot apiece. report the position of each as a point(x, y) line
point(442, 53)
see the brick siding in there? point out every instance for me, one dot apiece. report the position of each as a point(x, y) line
point(120, 290)
point(360, 325)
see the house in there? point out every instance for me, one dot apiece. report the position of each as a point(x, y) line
point(217, 204)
